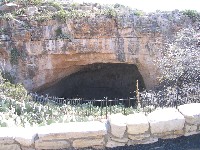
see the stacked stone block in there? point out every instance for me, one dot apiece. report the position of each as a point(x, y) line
point(118, 130)
point(191, 112)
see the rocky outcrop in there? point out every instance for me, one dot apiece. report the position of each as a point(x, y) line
point(39, 54)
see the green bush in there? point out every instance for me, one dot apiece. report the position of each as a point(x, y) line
point(192, 14)
point(14, 56)
point(61, 15)
point(20, 11)
point(138, 13)
point(42, 17)
point(110, 12)
point(55, 5)
point(58, 32)
point(30, 2)
point(7, 16)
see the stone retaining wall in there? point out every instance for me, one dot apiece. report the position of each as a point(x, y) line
point(117, 130)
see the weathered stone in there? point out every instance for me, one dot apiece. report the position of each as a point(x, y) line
point(121, 140)
point(112, 144)
point(191, 112)
point(10, 147)
point(72, 130)
point(190, 129)
point(171, 135)
point(165, 120)
point(31, 10)
point(9, 135)
point(57, 144)
point(6, 136)
point(27, 148)
point(6, 140)
point(8, 7)
point(96, 41)
point(145, 141)
point(28, 137)
point(81, 143)
point(137, 124)
point(117, 124)
point(138, 137)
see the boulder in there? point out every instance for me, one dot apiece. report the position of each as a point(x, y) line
point(58, 144)
point(112, 144)
point(137, 124)
point(10, 147)
point(72, 130)
point(81, 143)
point(24, 136)
point(191, 112)
point(28, 137)
point(166, 121)
point(117, 125)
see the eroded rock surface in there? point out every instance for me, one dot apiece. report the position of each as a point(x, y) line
point(40, 54)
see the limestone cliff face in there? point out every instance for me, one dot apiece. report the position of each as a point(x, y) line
point(40, 54)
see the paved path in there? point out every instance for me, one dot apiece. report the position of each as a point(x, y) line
point(181, 143)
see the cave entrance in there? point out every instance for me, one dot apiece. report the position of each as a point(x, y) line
point(99, 80)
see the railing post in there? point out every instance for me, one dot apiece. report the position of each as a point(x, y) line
point(137, 94)
point(106, 107)
point(101, 108)
point(110, 107)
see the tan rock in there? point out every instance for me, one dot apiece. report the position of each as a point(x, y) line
point(112, 144)
point(81, 143)
point(28, 137)
point(10, 147)
point(121, 140)
point(165, 120)
point(7, 135)
point(117, 125)
point(12, 134)
point(191, 112)
point(138, 137)
point(72, 130)
point(27, 148)
point(171, 135)
point(144, 141)
point(137, 124)
point(190, 128)
point(57, 144)
point(6, 140)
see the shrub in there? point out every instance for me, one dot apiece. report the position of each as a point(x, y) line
point(138, 13)
point(110, 12)
point(14, 56)
point(56, 5)
point(20, 11)
point(7, 16)
point(43, 17)
point(30, 2)
point(192, 14)
point(58, 32)
point(61, 15)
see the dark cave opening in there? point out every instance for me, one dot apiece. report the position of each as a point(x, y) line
point(96, 81)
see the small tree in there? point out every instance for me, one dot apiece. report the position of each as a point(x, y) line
point(180, 59)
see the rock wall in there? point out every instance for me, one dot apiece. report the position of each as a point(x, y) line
point(118, 130)
point(39, 54)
